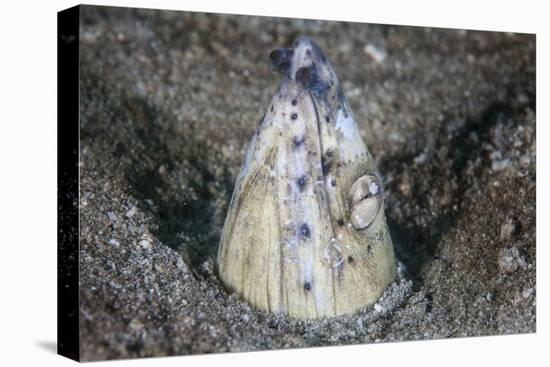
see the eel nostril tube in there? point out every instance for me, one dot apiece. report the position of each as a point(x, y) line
point(280, 60)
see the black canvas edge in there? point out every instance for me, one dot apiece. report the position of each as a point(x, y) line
point(68, 331)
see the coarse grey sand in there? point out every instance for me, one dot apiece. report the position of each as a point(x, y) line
point(169, 101)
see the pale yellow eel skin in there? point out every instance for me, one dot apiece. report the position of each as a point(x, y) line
point(306, 233)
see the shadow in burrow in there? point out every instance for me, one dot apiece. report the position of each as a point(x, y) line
point(416, 245)
point(184, 223)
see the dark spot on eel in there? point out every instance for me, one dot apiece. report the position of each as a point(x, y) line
point(307, 287)
point(327, 160)
point(333, 182)
point(327, 118)
point(340, 222)
point(350, 259)
point(313, 48)
point(301, 182)
point(304, 231)
point(297, 141)
point(271, 109)
point(294, 102)
point(294, 116)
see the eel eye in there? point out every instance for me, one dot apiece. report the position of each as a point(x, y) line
point(366, 200)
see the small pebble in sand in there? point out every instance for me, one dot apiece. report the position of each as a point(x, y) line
point(507, 229)
point(509, 260)
point(527, 292)
point(112, 216)
point(130, 213)
point(421, 159)
point(498, 163)
point(378, 54)
point(145, 244)
point(135, 324)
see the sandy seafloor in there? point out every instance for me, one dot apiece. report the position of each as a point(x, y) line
point(169, 101)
